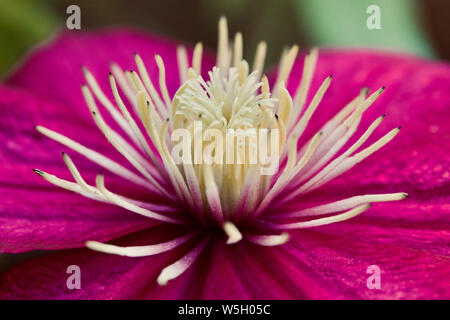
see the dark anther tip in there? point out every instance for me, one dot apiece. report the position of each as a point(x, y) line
point(39, 172)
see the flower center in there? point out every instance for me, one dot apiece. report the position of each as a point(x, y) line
point(230, 148)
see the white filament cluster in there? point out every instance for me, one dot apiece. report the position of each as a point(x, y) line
point(225, 195)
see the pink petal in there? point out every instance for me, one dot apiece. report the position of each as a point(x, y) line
point(53, 70)
point(47, 218)
point(342, 263)
point(255, 272)
point(420, 226)
point(103, 276)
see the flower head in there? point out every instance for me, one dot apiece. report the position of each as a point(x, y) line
point(179, 234)
point(231, 193)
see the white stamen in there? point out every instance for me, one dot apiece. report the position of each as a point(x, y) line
point(222, 49)
point(233, 233)
point(305, 83)
point(162, 81)
point(175, 269)
point(286, 65)
point(237, 49)
point(149, 86)
point(138, 251)
point(258, 64)
point(123, 83)
point(119, 147)
point(197, 58)
point(268, 240)
point(107, 103)
point(96, 157)
point(182, 64)
point(323, 221)
point(344, 204)
point(112, 197)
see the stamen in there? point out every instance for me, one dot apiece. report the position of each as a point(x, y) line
point(301, 125)
point(182, 64)
point(212, 193)
point(260, 55)
point(197, 58)
point(176, 269)
point(137, 132)
point(233, 233)
point(327, 174)
point(96, 157)
point(352, 161)
point(112, 197)
point(286, 104)
point(106, 103)
point(64, 184)
point(268, 240)
point(284, 179)
point(322, 221)
point(342, 205)
point(92, 192)
point(237, 49)
point(162, 81)
point(107, 132)
point(222, 49)
point(286, 65)
point(309, 66)
point(149, 85)
point(76, 174)
point(123, 83)
point(139, 251)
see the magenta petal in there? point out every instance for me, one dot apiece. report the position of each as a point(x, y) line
point(103, 276)
point(254, 272)
point(417, 226)
point(221, 264)
point(342, 263)
point(44, 218)
point(53, 70)
point(247, 272)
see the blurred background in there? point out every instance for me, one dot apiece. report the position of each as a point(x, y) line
point(415, 26)
point(419, 27)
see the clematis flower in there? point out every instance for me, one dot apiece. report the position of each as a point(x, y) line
point(155, 229)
